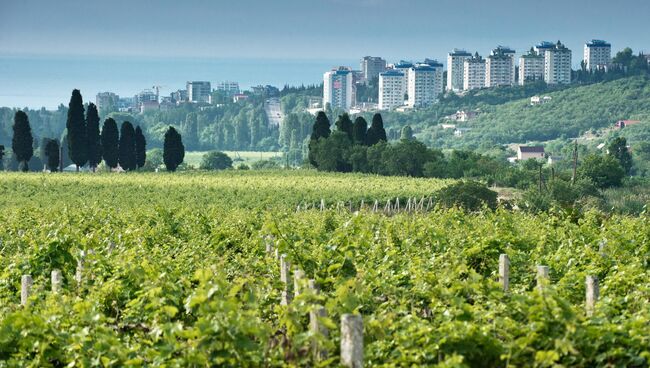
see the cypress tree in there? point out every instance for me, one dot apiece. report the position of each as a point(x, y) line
point(126, 148)
point(359, 130)
point(173, 149)
point(92, 134)
point(110, 141)
point(376, 132)
point(52, 154)
point(321, 128)
point(140, 148)
point(76, 125)
point(2, 155)
point(618, 150)
point(344, 124)
point(22, 141)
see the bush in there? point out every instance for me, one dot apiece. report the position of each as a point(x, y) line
point(215, 160)
point(603, 171)
point(265, 165)
point(469, 195)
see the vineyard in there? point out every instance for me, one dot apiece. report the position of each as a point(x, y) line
point(221, 270)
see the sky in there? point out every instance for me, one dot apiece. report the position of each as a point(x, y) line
point(312, 29)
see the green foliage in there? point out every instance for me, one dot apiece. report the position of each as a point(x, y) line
point(407, 133)
point(619, 150)
point(376, 132)
point(110, 143)
point(603, 170)
point(127, 147)
point(216, 160)
point(77, 131)
point(140, 148)
point(344, 124)
point(173, 150)
point(359, 130)
point(22, 141)
point(468, 195)
point(52, 154)
point(94, 146)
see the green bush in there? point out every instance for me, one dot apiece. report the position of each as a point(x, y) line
point(215, 160)
point(469, 195)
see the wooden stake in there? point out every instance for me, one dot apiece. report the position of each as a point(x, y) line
point(315, 326)
point(542, 276)
point(592, 295)
point(298, 275)
point(504, 271)
point(284, 278)
point(25, 289)
point(352, 341)
point(57, 279)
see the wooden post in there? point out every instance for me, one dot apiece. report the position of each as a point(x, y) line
point(542, 276)
point(284, 278)
point(322, 205)
point(352, 341)
point(80, 268)
point(387, 207)
point(397, 204)
point(376, 206)
point(504, 271)
point(430, 203)
point(298, 275)
point(25, 289)
point(593, 292)
point(269, 243)
point(56, 281)
point(315, 327)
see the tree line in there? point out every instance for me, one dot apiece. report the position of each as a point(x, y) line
point(86, 145)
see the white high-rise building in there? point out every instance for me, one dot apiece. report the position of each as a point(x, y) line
point(541, 47)
point(371, 66)
point(455, 69)
point(338, 88)
point(421, 86)
point(439, 72)
point(199, 92)
point(474, 73)
point(404, 67)
point(531, 67)
point(228, 88)
point(500, 67)
point(598, 55)
point(557, 65)
point(392, 88)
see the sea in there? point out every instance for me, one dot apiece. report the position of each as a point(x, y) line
point(47, 81)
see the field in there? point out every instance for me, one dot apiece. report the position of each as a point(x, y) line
point(193, 158)
point(175, 272)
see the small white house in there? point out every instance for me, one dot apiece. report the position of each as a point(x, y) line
point(537, 100)
point(528, 152)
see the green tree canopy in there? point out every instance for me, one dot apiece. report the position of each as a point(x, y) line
point(215, 160)
point(52, 154)
point(110, 142)
point(94, 145)
point(173, 149)
point(126, 148)
point(22, 141)
point(469, 195)
point(140, 148)
point(618, 149)
point(344, 124)
point(359, 130)
point(376, 132)
point(407, 133)
point(76, 126)
point(321, 128)
point(604, 170)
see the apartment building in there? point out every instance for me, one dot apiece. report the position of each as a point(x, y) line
point(500, 67)
point(474, 73)
point(531, 67)
point(421, 86)
point(455, 69)
point(338, 88)
point(392, 89)
point(557, 64)
point(597, 55)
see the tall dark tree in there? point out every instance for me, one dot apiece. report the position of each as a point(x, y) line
point(42, 151)
point(52, 154)
point(376, 132)
point(344, 124)
point(94, 144)
point(618, 150)
point(173, 149)
point(110, 142)
point(2, 155)
point(22, 141)
point(76, 125)
point(140, 148)
point(359, 130)
point(126, 149)
point(321, 128)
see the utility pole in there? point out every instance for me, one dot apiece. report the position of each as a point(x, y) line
point(575, 161)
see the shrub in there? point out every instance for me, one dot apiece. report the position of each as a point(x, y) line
point(215, 160)
point(469, 195)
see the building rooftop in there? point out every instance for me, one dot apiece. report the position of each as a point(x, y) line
point(598, 43)
point(392, 73)
point(545, 45)
point(531, 149)
point(460, 52)
point(433, 62)
point(403, 64)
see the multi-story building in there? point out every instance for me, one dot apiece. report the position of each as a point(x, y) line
point(541, 47)
point(338, 88)
point(371, 67)
point(106, 101)
point(456, 69)
point(178, 96)
point(199, 92)
point(500, 67)
point(439, 87)
point(474, 73)
point(404, 67)
point(557, 65)
point(531, 67)
point(146, 95)
point(229, 89)
point(421, 86)
point(598, 55)
point(392, 89)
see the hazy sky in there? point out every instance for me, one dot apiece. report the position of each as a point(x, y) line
point(325, 29)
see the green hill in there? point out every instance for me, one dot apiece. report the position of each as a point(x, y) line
point(570, 113)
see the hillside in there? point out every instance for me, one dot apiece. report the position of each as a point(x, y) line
point(570, 113)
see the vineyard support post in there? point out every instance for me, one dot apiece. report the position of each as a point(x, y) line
point(593, 293)
point(298, 275)
point(504, 271)
point(284, 278)
point(314, 326)
point(542, 277)
point(352, 341)
point(80, 268)
point(56, 281)
point(25, 289)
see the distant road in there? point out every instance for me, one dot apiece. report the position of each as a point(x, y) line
point(273, 111)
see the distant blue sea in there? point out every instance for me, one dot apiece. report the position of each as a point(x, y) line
point(30, 81)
